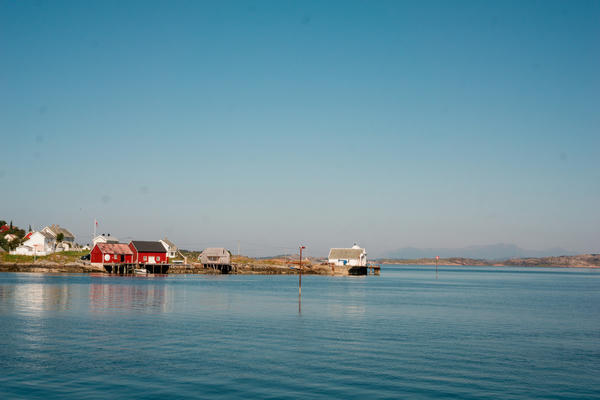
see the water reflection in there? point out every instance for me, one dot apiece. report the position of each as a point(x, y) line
point(109, 294)
point(349, 299)
point(35, 298)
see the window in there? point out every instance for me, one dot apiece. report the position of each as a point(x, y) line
point(145, 258)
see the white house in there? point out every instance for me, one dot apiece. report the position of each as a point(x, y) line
point(68, 241)
point(170, 247)
point(10, 237)
point(39, 243)
point(354, 257)
point(104, 238)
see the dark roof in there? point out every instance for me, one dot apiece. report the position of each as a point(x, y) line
point(148, 247)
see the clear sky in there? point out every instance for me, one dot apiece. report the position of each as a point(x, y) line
point(426, 124)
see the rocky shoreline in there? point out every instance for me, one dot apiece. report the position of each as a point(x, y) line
point(239, 269)
point(256, 267)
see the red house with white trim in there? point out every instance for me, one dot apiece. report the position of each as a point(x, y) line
point(111, 253)
point(148, 252)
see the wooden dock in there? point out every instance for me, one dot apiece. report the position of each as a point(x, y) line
point(373, 269)
point(129, 269)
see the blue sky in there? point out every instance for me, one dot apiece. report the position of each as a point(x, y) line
point(426, 124)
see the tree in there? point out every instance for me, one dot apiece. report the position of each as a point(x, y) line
point(2, 222)
point(29, 228)
point(13, 244)
point(59, 238)
point(11, 225)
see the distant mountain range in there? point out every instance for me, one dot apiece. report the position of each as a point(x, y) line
point(499, 251)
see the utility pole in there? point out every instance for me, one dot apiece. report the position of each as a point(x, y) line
point(300, 281)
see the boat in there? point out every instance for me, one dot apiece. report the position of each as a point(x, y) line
point(140, 271)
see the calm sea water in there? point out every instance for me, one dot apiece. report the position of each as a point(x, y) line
point(473, 333)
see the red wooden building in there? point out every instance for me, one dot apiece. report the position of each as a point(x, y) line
point(148, 252)
point(111, 253)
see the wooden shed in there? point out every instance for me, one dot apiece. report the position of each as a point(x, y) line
point(216, 257)
point(145, 252)
point(111, 253)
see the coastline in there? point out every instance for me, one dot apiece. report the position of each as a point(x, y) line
point(578, 261)
point(70, 263)
point(77, 268)
point(195, 269)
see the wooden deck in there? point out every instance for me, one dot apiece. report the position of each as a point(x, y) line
point(129, 269)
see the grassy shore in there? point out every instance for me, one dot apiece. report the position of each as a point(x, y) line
point(63, 257)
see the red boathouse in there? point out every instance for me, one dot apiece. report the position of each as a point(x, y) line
point(148, 252)
point(111, 253)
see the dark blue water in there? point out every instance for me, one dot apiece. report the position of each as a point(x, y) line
point(473, 333)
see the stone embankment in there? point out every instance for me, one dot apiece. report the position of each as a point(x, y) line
point(237, 268)
point(263, 269)
point(50, 267)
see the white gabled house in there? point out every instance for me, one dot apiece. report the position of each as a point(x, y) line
point(353, 257)
point(39, 243)
point(104, 238)
point(68, 241)
point(170, 247)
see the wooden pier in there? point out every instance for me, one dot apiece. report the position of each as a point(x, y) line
point(373, 269)
point(129, 269)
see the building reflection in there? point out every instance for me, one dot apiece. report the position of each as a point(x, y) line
point(130, 294)
point(35, 298)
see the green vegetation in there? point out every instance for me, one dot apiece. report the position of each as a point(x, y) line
point(11, 244)
point(62, 257)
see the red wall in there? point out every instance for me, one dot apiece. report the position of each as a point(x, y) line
point(139, 258)
point(96, 256)
point(162, 260)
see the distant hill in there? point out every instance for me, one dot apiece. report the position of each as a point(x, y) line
point(499, 251)
point(579, 261)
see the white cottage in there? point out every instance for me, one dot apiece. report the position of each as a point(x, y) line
point(39, 243)
point(353, 257)
point(68, 241)
point(170, 247)
point(104, 238)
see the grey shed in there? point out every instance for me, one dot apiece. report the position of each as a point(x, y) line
point(213, 256)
